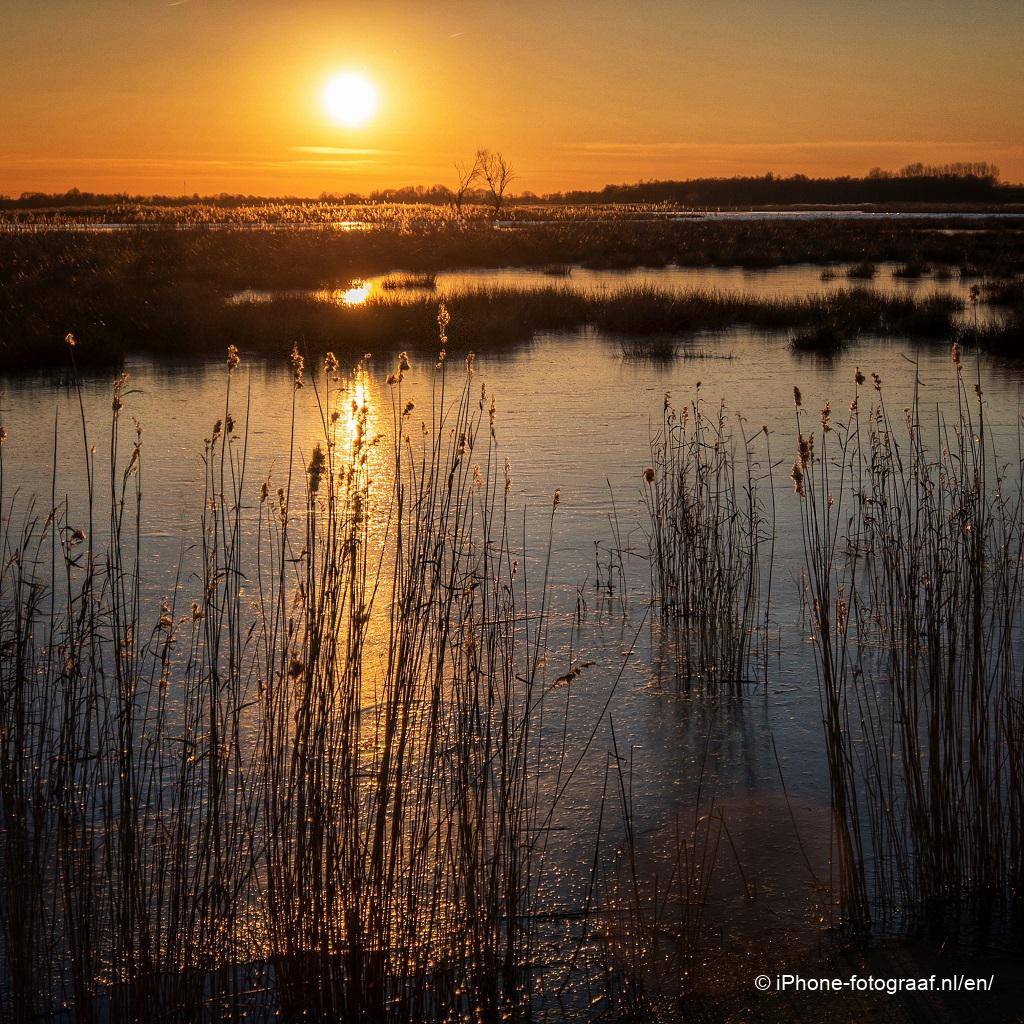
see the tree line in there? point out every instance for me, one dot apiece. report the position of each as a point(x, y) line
point(914, 183)
point(487, 177)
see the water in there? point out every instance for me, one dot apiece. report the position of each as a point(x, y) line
point(573, 414)
point(787, 282)
point(845, 214)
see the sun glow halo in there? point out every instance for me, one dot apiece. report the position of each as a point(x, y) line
point(350, 99)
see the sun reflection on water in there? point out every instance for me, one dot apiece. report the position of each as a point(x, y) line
point(358, 408)
point(357, 294)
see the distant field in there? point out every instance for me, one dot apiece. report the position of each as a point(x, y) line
point(163, 291)
point(418, 216)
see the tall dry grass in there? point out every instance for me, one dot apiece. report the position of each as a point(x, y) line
point(314, 789)
point(914, 543)
point(709, 525)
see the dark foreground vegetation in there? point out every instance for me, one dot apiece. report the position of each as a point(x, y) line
point(330, 795)
point(163, 292)
point(914, 547)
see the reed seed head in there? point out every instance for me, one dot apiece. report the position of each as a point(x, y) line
point(317, 467)
point(806, 451)
point(443, 320)
point(796, 474)
point(298, 362)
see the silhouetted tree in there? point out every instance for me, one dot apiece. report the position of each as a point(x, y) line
point(497, 174)
point(466, 175)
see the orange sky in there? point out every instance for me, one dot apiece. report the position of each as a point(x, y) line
point(222, 95)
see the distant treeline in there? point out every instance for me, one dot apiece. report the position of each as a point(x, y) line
point(915, 183)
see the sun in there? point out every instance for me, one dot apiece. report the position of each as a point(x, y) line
point(350, 99)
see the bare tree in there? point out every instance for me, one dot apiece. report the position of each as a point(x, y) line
point(467, 175)
point(497, 174)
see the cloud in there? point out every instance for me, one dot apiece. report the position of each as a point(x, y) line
point(339, 151)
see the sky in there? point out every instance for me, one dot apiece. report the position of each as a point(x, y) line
point(173, 96)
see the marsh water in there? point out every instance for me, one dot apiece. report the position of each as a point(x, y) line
point(785, 282)
point(573, 414)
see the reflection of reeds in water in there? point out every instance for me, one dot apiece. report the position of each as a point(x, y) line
point(914, 543)
point(651, 896)
point(320, 766)
point(707, 525)
point(557, 269)
point(657, 349)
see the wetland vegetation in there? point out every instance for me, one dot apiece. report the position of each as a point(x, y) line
point(164, 293)
point(323, 761)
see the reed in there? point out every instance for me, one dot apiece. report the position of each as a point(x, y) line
point(913, 544)
point(1009, 292)
point(312, 790)
point(912, 270)
point(708, 524)
point(395, 282)
point(645, 322)
point(864, 271)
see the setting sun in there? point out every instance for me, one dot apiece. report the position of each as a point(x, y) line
point(350, 99)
